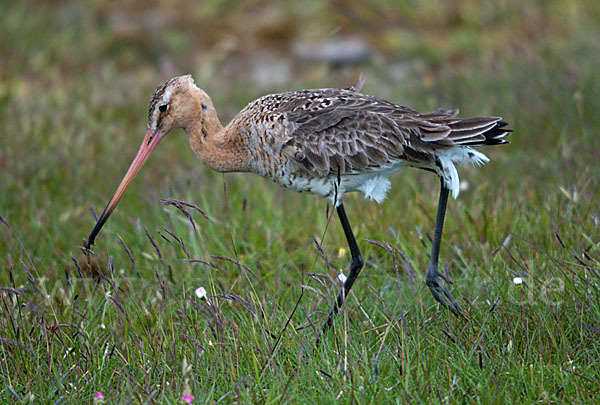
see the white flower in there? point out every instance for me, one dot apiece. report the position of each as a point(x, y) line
point(342, 277)
point(517, 280)
point(185, 367)
point(200, 293)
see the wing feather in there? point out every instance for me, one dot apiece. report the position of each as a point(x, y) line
point(330, 131)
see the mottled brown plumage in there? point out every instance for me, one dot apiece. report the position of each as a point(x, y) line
point(324, 141)
point(331, 131)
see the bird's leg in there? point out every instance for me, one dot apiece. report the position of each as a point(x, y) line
point(356, 264)
point(440, 293)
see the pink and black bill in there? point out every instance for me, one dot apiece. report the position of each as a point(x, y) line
point(151, 140)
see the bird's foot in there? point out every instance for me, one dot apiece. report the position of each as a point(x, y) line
point(441, 293)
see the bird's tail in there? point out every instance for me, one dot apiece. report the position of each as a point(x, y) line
point(479, 131)
point(443, 128)
point(461, 136)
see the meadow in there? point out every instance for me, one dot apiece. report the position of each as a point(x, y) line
point(521, 242)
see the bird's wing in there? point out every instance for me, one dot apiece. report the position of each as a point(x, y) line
point(341, 131)
point(333, 131)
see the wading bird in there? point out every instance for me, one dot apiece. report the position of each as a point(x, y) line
point(324, 141)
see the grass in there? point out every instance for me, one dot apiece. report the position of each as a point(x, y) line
point(74, 87)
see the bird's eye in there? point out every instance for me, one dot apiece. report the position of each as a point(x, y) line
point(163, 107)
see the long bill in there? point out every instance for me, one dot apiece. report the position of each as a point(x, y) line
point(151, 140)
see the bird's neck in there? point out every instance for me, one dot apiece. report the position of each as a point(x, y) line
point(221, 149)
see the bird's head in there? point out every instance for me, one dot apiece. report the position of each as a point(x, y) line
point(176, 103)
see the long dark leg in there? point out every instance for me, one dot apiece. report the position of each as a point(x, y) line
point(440, 293)
point(356, 264)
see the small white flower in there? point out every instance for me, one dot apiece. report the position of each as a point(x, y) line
point(342, 277)
point(464, 185)
point(517, 280)
point(185, 367)
point(200, 293)
point(569, 361)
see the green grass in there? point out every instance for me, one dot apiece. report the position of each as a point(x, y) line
point(73, 94)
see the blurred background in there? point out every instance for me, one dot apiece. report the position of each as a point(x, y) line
point(75, 79)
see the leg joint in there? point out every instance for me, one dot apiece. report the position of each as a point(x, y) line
point(357, 262)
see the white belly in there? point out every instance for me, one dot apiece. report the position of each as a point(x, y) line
point(374, 185)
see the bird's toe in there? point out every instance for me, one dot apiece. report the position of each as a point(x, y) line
point(442, 295)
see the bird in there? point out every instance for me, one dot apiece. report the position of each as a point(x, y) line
point(327, 142)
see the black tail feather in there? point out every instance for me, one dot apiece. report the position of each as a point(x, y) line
point(493, 136)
